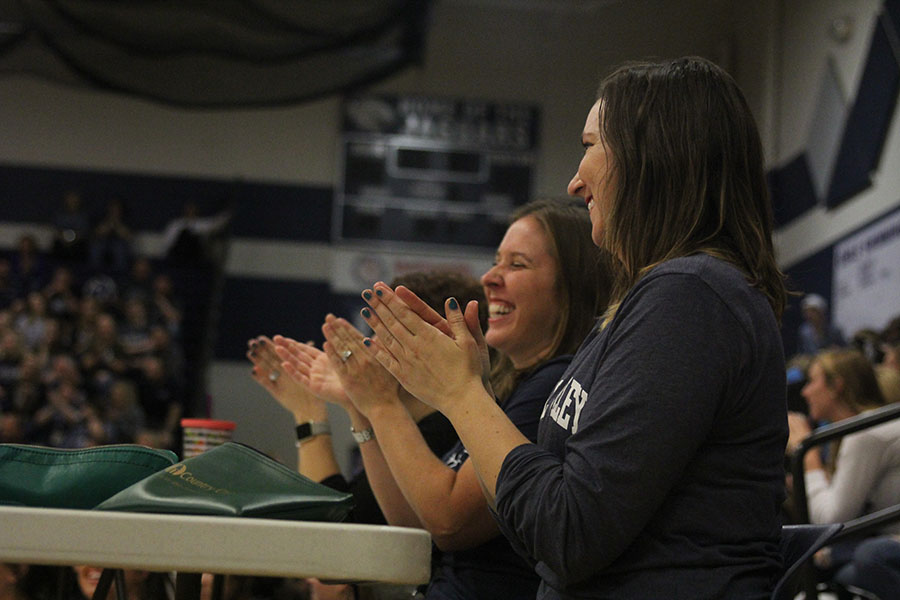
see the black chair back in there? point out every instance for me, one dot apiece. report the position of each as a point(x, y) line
point(798, 544)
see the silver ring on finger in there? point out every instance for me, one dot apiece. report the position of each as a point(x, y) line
point(273, 376)
point(346, 354)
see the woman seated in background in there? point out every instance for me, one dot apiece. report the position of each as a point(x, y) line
point(545, 291)
point(315, 455)
point(864, 474)
point(658, 468)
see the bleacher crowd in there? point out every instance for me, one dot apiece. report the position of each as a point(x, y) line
point(90, 338)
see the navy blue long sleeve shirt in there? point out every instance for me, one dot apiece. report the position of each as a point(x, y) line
point(658, 467)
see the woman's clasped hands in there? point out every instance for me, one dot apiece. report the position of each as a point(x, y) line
point(310, 368)
point(365, 381)
point(435, 360)
point(269, 371)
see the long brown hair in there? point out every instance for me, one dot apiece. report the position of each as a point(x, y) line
point(583, 281)
point(688, 166)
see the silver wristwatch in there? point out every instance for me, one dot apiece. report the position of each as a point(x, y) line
point(363, 436)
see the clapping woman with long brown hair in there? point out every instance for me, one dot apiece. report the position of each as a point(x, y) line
point(658, 466)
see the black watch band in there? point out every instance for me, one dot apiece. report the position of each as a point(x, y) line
point(311, 429)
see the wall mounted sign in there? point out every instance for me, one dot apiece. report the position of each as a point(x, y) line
point(418, 170)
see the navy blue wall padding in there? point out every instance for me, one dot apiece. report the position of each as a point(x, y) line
point(791, 188)
point(283, 212)
point(253, 307)
point(892, 13)
point(812, 275)
point(271, 211)
point(33, 194)
point(866, 127)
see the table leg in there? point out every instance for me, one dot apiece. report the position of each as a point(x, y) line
point(187, 586)
point(218, 589)
point(120, 585)
point(107, 576)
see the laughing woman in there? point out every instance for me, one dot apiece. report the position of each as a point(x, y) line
point(545, 291)
point(657, 471)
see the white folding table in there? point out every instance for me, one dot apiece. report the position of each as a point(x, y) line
point(222, 545)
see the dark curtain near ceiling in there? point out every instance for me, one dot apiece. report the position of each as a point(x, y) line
point(213, 53)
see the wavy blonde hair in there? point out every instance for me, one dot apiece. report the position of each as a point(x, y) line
point(853, 377)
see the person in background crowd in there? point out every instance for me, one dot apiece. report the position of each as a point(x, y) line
point(139, 585)
point(842, 384)
point(868, 342)
point(139, 283)
point(62, 301)
point(165, 306)
point(159, 394)
point(110, 245)
point(164, 347)
point(118, 417)
point(103, 358)
point(186, 239)
point(864, 476)
point(816, 333)
point(32, 321)
point(134, 332)
point(12, 350)
point(71, 229)
point(62, 422)
point(103, 289)
point(9, 292)
point(28, 268)
point(30, 391)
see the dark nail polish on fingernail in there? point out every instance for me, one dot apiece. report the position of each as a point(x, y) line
point(367, 295)
point(453, 304)
point(366, 313)
point(367, 342)
point(378, 292)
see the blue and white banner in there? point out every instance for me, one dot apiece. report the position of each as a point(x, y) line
point(866, 283)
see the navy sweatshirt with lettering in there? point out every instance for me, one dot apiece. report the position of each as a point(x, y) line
point(658, 467)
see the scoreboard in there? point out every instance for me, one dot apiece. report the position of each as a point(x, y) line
point(418, 170)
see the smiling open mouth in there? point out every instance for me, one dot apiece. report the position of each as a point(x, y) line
point(498, 310)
